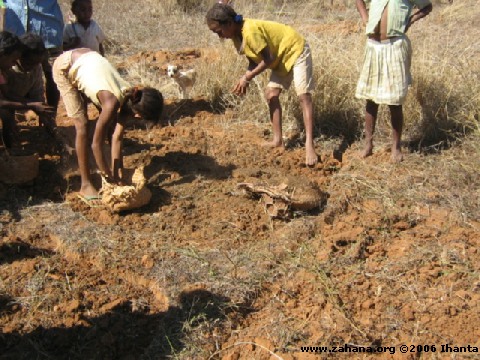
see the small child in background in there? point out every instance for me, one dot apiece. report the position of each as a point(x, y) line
point(11, 49)
point(84, 32)
point(25, 79)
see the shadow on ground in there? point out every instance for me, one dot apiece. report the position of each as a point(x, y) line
point(188, 166)
point(122, 333)
point(19, 250)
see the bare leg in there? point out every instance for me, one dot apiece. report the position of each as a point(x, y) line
point(81, 147)
point(49, 123)
point(51, 91)
point(9, 127)
point(396, 119)
point(371, 111)
point(273, 99)
point(311, 157)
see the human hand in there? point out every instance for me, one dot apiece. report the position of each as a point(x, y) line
point(240, 88)
point(41, 108)
point(107, 176)
point(119, 177)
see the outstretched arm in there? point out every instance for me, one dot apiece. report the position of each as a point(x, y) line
point(110, 106)
point(254, 70)
point(268, 59)
point(362, 10)
point(117, 158)
point(36, 106)
point(419, 15)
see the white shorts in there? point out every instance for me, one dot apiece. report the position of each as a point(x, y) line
point(301, 74)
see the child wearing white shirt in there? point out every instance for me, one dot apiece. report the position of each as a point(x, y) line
point(84, 32)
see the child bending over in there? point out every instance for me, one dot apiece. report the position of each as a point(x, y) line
point(271, 45)
point(84, 32)
point(84, 73)
point(385, 76)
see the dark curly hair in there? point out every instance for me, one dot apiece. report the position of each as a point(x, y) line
point(32, 45)
point(9, 43)
point(75, 3)
point(147, 102)
point(223, 14)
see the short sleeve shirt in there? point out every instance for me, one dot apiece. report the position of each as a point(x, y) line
point(398, 14)
point(91, 37)
point(284, 42)
point(92, 73)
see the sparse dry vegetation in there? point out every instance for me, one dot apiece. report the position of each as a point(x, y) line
point(203, 272)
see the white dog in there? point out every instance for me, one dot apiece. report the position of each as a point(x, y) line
point(184, 79)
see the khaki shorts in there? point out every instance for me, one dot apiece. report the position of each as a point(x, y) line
point(301, 74)
point(72, 97)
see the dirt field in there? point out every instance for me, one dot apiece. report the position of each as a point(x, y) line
point(204, 272)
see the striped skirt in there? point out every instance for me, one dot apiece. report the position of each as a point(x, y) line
point(385, 75)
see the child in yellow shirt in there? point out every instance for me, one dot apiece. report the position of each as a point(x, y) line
point(275, 46)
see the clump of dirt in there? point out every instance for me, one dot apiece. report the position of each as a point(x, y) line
point(131, 195)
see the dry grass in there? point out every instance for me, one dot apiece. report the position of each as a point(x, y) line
point(443, 103)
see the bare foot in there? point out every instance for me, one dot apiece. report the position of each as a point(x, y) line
point(311, 157)
point(90, 200)
point(88, 190)
point(397, 156)
point(367, 151)
point(273, 144)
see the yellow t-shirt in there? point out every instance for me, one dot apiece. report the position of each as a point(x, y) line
point(284, 42)
point(92, 73)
